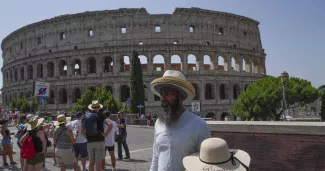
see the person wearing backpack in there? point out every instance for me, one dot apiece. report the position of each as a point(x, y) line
point(22, 129)
point(33, 145)
point(93, 129)
point(6, 145)
point(63, 140)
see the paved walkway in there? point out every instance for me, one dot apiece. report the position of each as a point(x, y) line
point(140, 139)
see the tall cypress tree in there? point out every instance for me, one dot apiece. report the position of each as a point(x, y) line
point(322, 109)
point(137, 93)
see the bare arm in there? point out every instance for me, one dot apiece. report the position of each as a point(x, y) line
point(41, 136)
point(109, 128)
point(71, 136)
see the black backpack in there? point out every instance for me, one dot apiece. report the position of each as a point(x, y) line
point(37, 141)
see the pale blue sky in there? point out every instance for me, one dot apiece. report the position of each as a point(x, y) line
point(292, 31)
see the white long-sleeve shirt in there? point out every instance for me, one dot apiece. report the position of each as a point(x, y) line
point(172, 144)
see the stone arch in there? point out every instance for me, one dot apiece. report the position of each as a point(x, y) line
point(29, 72)
point(11, 77)
point(246, 86)
point(235, 63)
point(7, 76)
point(91, 65)
point(28, 94)
point(125, 93)
point(208, 64)
point(109, 89)
point(209, 91)
point(236, 91)
point(50, 69)
point(14, 95)
point(63, 68)
point(50, 99)
point(63, 97)
point(144, 63)
point(262, 66)
point(192, 63)
point(76, 66)
point(124, 63)
point(39, 70)
point(221, 64)
point(223, 91)
point(246, 64)
point(224, 115)
point(176, 63)
point(255, 65)
point(21, 94)
point(22, 73)
point(76, 94)
point(211, 115)
point(313, 110)
point(197, 92)
point(158, 63)
point(92, 88)
point(16, 74)
point(108, 64)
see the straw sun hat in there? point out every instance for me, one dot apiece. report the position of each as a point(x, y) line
point(215, 155)
point(174, 79)
point(61, 119)
point(34, 122)
point(95, 105)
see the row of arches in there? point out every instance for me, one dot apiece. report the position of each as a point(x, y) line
point(61, 96)
point(158, 63)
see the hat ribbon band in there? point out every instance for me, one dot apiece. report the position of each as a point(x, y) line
point(232, 158)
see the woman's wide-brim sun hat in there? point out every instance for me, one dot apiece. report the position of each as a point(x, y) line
point(34, 123)
point(215, 155)
point(95, 105)
point(61, 119)
point(176, 80)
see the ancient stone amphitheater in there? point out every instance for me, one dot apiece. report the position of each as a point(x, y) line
point(220, 53)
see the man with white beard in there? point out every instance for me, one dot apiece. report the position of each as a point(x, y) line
point(178, 132)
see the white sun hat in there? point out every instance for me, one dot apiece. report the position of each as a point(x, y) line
point(215, 155)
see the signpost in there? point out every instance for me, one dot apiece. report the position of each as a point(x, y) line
point(41, 89)
point(140, 107)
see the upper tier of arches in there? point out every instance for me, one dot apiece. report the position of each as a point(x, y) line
point(132, 27)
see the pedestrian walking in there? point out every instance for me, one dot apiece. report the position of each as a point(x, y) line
point(6, 145)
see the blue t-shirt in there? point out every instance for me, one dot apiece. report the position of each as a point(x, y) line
point(122, 131)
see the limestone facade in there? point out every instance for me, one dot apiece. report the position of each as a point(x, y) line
point(220, 53)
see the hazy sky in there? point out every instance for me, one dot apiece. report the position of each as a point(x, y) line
point(292, 31)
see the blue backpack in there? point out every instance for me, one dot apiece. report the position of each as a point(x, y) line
point(90, 124)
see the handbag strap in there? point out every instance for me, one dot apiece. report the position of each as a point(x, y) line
point(59, 135)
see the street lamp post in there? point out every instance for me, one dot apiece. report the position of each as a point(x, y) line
point(284, 79)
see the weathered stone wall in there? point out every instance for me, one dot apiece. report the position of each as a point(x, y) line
point(282, 146)
point(80, 51)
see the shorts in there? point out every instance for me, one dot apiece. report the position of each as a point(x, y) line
point(80, 149)
point(109, 148)
point(38, 158)
point(65, 156)
point(96, 151)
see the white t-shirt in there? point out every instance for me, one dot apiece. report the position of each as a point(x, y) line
point(110, 139)
point(75, 126)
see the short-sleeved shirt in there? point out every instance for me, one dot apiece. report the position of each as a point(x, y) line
point(75, 126)
point(122, 131)
point(110, 138)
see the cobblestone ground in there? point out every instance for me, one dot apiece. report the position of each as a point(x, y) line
point(139, 139)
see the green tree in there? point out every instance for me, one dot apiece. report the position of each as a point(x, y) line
point(263, 99)
point(137, 93)
point(23, 106)
point(102, 95)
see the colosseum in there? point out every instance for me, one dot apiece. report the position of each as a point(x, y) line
point(220, 53)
